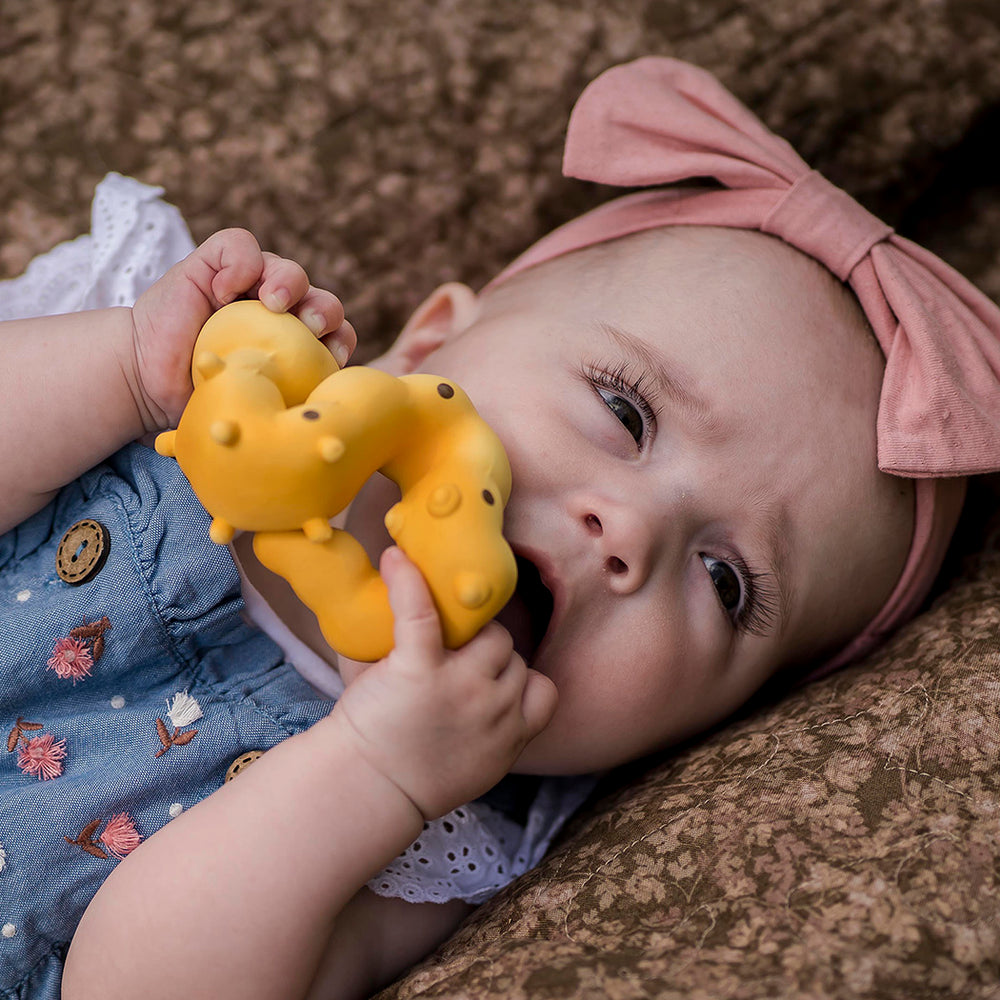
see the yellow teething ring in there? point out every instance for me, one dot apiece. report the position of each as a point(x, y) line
point(276, 441)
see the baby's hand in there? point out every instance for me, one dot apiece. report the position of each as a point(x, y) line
point(167, 317)
point(442, 725)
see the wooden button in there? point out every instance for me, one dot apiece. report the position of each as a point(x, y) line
point(243, 762)
point(82, 551)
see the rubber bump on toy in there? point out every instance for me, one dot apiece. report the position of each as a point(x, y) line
point(394, 521)
point(473, 590)
point(444, 500)
point(165, 444)
point(221, 531)
point(331, 448)
point(317, 529)
point(225, 432)
point(208, 363)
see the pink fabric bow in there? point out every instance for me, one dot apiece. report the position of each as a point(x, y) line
point(656, 121)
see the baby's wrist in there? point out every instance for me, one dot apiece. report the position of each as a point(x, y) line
point(339, 742)
point(126, 348)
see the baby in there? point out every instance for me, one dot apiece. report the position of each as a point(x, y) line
point(726, 465)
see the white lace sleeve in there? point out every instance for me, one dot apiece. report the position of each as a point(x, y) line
point(134, 238)
point(473, 852)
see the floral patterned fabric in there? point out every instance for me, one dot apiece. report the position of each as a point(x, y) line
point(843, 842)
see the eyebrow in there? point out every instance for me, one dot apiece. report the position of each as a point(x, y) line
point(674, 383)
point(678, 386)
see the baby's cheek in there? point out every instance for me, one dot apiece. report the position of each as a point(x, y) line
point(600, 428)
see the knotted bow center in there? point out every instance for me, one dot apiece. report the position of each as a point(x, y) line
point(825, 222)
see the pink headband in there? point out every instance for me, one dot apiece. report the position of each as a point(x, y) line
point(656, 121)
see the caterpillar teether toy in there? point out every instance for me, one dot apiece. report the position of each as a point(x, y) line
point(276, 440)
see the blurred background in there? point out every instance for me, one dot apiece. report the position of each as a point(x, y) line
point(389, 146)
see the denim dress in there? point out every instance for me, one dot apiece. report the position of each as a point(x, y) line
point(124, 698)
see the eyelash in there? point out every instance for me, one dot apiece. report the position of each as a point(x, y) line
point(760, 602)
point(623, 379)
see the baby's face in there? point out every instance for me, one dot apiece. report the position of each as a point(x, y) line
point(689, 417)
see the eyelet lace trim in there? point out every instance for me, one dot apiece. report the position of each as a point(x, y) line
point(474, 851)
point(134, 238)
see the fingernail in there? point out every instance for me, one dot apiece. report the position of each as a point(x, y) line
point(341, 353)
point(278, 300)
point(314, 321)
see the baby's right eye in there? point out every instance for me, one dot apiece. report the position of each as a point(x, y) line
point(620, 389)
point(629, 416)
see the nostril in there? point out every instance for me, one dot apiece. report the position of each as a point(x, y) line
point(593, 523)
point(616, 566)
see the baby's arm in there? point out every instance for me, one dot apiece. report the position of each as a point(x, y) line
point(249, 893)
point(75, 388)
point(377, 938)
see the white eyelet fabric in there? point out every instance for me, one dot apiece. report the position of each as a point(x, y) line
point(473, 852)
point(135, 236)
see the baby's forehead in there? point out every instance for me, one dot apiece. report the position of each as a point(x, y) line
point(713, 267)
point(652, 256)
point(713, 259)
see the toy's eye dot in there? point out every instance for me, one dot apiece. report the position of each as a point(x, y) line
point(445, 390)
point(488, 497)
point(310, 415)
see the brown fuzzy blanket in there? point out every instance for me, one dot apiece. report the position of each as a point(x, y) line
point(842, 843)
point(391, 146)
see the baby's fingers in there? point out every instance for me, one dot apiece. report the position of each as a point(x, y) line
point(282, 283)
point(235, 264)
point(341, 342)
point(538, 702)
point(416, 626)
point(285, 286)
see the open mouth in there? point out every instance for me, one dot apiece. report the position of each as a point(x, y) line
point(528, 613)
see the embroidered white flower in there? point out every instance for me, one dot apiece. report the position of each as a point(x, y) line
point(183, 710)
point(3, 858)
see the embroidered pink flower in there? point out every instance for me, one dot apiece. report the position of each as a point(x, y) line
point(71, 658)
point(120, 836)
point(42, 756)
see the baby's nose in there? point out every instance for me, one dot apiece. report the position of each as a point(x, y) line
point(623, 545)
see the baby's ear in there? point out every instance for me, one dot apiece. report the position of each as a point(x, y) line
point(446, 312)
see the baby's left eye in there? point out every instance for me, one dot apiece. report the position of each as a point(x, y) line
point(629, 416)
point(727, 582)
